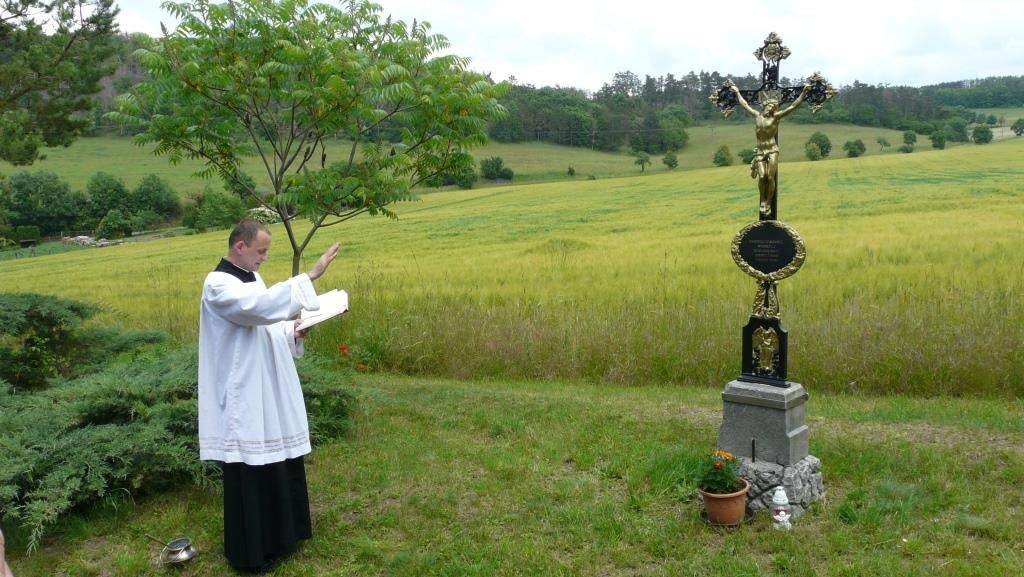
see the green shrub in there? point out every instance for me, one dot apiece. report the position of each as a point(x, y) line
point(982, 134)
point(812, 151)
point(114, 225)
point(213, 210)
point(824, 144)
point(938, 139)
point(41, 339)
point(154, 194)
point(670, 160)
point(43, 200)
point(461, 172)
point(128, 428)
point(854, 148)
point(107, 192)
point(906, 149)
point(746, 155)
point(909, 138)
point(144, 220)
point(571, 171)
point(722, 157)
point(494, 168)
point(27, 232)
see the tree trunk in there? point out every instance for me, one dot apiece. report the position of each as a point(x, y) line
point(296, 256)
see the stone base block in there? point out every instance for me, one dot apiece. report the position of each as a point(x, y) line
point(763, 422)
point(802, 481)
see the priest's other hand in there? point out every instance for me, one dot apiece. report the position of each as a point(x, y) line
point(323, 262)
point(301, 334)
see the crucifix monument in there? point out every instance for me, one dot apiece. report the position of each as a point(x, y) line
point(763, 422)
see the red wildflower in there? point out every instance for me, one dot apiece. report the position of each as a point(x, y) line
point(718, 465)
point(343, 349)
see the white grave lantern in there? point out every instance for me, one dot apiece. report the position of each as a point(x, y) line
point(781, 511)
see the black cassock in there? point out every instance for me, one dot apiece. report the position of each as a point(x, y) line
point(266, 507)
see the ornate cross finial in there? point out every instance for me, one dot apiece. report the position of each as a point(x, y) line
point(773, 50)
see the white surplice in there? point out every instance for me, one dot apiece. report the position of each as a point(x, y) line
point(251, 408)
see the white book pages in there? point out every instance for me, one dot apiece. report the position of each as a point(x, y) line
point(332, 304)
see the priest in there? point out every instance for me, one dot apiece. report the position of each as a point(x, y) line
point(252, 417)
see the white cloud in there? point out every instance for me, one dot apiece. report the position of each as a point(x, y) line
point(580, 43)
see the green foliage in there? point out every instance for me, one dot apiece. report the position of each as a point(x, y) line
point(290, 75)
point(746, 155)
point(37, 337)
point(41, 199)
point(883, 143)
point(1018, 127)
point(957, 130)
point(493, 168)
point(938, 139)
point(26, 232)
point(719, 474)
point(461, 171)
point(906, 149)
point(981, 134)
point(824, 144)
point(642, 159)
point(909, 138)
point(212, 210)
point(143, 220)
point(571, 171)
point(722, 157)
point(131, 427)
point(154, 194)
point(854, 148)
point(114, 224)
point(670, 160)
point(812, 151)
point(991, 120)
point(54, 55)
point(107, 192)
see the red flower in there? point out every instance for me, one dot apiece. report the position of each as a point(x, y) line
point(718, 465)
point(343, 349)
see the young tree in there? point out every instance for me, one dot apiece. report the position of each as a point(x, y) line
point(982, 134)
point(53, 55)
point(910, 138)
point(746, 155)
point(642, 159)
point(812, 151)
point(824, 144)
point(1018, 127)
point(670, 160)
point(883, 143)
point(938, 139)
point(723, 156)
point(276, 79)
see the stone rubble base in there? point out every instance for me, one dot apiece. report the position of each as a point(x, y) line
point(802, 481)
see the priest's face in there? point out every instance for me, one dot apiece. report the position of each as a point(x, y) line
point(251, 256)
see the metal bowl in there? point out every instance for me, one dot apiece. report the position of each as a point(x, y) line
point(178, 551)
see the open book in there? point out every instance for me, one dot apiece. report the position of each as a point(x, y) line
point(332, 304)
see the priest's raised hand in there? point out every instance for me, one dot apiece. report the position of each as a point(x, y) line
point(323, 262)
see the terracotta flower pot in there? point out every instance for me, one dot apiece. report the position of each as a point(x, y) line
point(726, 508)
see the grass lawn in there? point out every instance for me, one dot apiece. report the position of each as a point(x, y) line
point(446, 478)
point(531, 161)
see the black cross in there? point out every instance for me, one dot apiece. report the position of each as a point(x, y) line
point(770, 55)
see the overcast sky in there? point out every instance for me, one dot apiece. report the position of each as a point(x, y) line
point(583, 43)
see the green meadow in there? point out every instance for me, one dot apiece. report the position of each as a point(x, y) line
point(532, 162)
point(510, 478)
point(912, 283)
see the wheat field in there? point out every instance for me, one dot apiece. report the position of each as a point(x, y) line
point(912, 282)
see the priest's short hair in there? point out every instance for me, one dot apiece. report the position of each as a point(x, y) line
point(246, 230)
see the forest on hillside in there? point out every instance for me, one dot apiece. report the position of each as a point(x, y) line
point(651, 113)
